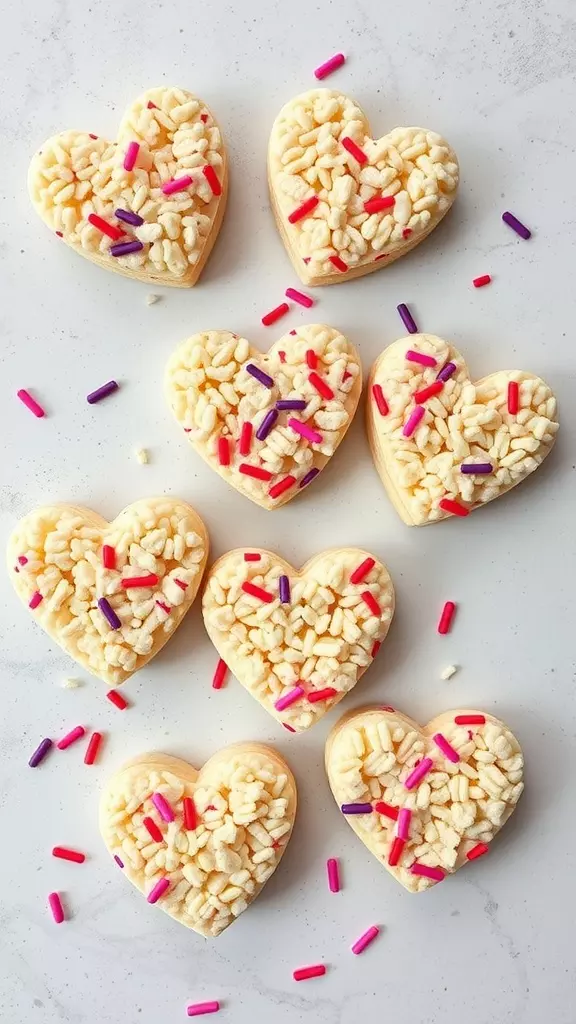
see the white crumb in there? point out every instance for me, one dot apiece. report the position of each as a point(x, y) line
point(70, 684)
point(141, 456)
point(448, 672)
point(151, 299)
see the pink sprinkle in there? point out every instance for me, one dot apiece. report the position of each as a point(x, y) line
point(420, 357)
point(165, 608)
point(289, 698)
point(413, 421)
point(176, 185)
point(365, 940)
point(426, 872)
point(197, 1009)
point(418, 773)
point(331, 65)
point(158, 890)
point(303, 973)
point(305, 431)
point(71, 737)
point(296, 296)
point(35, 600)
point(163, 807)
point(22, 560)
point(30, 403)
point(446, 748)
point(131, 155)
point(56, 907)
point(403, 824)
point(333, 874)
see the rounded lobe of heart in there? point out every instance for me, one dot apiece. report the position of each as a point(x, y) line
point(328, 176)
point(110, 594)
point(243, 805)
point(427, 463)
point(296, 402)
point(77, 181)
point(298, 640)
point(470, 781)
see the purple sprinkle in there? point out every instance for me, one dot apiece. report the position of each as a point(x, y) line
point(103, 392)
point(118, 861)
point(109, 613)
point(260, 375)
point(284, 589)
point(309, 477)
point(40, 753)
point(356, 808)
point(446, 372)
point(478, 467)
point(516, 225)
point(407, 318)
point(129, 218)
point(125, 248)
point(266, 425)
point(291, 403)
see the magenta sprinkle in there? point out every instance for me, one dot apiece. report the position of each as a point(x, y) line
point(103, 392)
point(163, 807)
point(427, 872)
point(446, 748)
point(305, 431)
point(418, 773)
point(407, 318)
point(403, 824)
point(413, 421)
point(446, 372)
point(119, 862)
point(267, 424)
point(158, 890)
point(329, 66)
point(125, 248)
point(109, 613)
point(284, 589)
point(291, 403)
point(479, 467)
point(300, 297)
point(35, 600)
point(176, 185)
point(356, 808)
point(365, 940)
point(128, 217)
point(40, 753)
point(516, 225)
point(131, 156)
point(420, 357)
point(309, 477)
point(22, 560)
point(289, 698)
point(264, 379)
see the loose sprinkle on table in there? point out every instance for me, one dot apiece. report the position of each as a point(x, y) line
point(418, 773)
point(40, 753)
point(479, 282)
point(159, 889)
point(321, 386)
point(446, 617)
point(267, 424)
point(337, 262)
point(378, 204)
point(470, 720)
point(275, 314)
point(56, 907)
point(176, 185)
point(108, 557)
point(136, 582)
point(333, 874)
point(131, 155)
point(408, 320)
point(300, 297)
point(255, 471)
point(315, 695)
point(30, 403)
point(427, 872)
point(413, 420)
point(446, 748)
point(130, 218)
point(419, 357)
point(245, 439)
point(386, 809)
point(63, 853)
point(212, 179)
point(223, 451)
point(477, 851)
point(446, 372)
point(447, 505)
point(163, 807)
point(354, 150)
point(303, 973)
point(329, 66)
point(197, 1009)
point(289, 698)
point(35, 600)
point(429, 392)
point(220, 673)
point(356, 808)
point(93, 748)
point(259, 592)
point(365, 940)
point(381, 402)
point(117, 699)
point(305, 431)
point(126, 248)
point(109, 613)
point(403, 824)
point(102, 392)
point(107, 229)
point(304, 210)
point(513, 397)
point(516, 225)
point(190, 815)
point(284, 589)
point(361, 571)
point(309, 477)
point(71, 737)
point(153, 830)
point(475, 468)
point(259, 374)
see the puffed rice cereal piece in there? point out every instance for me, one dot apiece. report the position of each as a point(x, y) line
point(266, 423)
point(298, 640)
point(347, 204)
point(456, 780)
point(426, 470)
point(77, 180)
point(72, 569)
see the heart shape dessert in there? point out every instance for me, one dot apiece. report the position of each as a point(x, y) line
point(299, 641)
point(266, 423)
point(347, 204)
point(200, 844)
point(111, 594)
point(443, 445)
point(149, 205)
point(424, 800)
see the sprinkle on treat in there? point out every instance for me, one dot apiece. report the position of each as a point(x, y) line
point(381, 807)
point(71, 737)
point(470, 720)
point(259, 375)
point(220, 673)
point(454, 507)
point(365, 940)
point(516, 225)
point(446, 372)
point(212, 179)
point(110, 230)
point(163, 807)
point(267, 424)
point(64, 853)
point(477, 468)
point(310, 475)
point(258, 592)
point(329, 66)
point(198, 1009)
point(132, 582)
point(381, 402)
point(35, 600)
point(245, 439)
point(291, 403)
point(408, 321)
point(158, 890)
point(361, 571)
point(102, 392)
point(338, 263)
point(153, 830)
point(305, 431)
point(295, 296)
point(303, 210)
point(402, 830)
point(396, 851)
point(30, 403)
point(358, 154)
point(189, 812)
point(289, 698)
point(420, 357)
point(131, 156)
point(446, 748)
point(125, 248)
point(135, 220)
point(311, 359)
point(55, 904)
point(282, 486)
point(320, 386)
point(40, 753)
point(117, 700)
point(274, 315)
point(424, 871)
point(93, 748)
point(333, 874)
point(513, 397)
point(446, 617)
point(356, 808)
point(480, 282)
point(119, 862)
point(304, 973)
point(376, 648)
point(315, 695)
point(418, 773)
point(176, 185)
point(252, 556)
point(371, 603)
point(254, 471)
point(413, 421)
point(284, 589)
point(109, 614)
point(429, 392)
point(378, 204)
point(477, 851)
point(224, 451)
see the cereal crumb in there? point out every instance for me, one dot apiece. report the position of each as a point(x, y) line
point(151, 299)
point(142, 456)
point(448, 672)
point(70, 684)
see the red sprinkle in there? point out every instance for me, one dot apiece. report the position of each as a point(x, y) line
point(379, 203)
point(354, 150)
point(432, 389)
point(479, 282)
point(275, 314)
point(338, 263)
point(281, 486)
point(106, 228)
point(282, 355)
point(90, 136)
point(60, 234)
point(376, 648)
point(302, 211)
point(361, 572)
point(190, 816)
point(220, 673)
point(151, 106)
point(513, 401)
point(396, 851)
point(315, 695)
point(117, 700)
point(372, 603)
point(92, 748)
point(165, 607)
point(63, 853)
point(406, 232)
point(477, 851)
point(212, 179)
point(223, 451)
point(153, 830)
point(470, 719)
point(311, 359)
point(181, 584)
point(252, 556)
point(245, 439)
point(381, 402)
point(321, 386)
point(446, 617)
point(255, 471)
point(132, 582)
point(254, 591)
point(447, 505)
point(108, 557)
point(386, 809)
point(303, 973)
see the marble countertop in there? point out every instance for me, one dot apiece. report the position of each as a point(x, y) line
point(494, 943)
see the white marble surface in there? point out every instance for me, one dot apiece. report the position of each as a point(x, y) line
point(494, 943)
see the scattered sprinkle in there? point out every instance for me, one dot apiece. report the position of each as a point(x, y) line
point(131, 155)
point(190, 815)
point(117, 700)
point(109, 613)
point(371, 603)
point(446, 617)
point(284, 589)
point(107, 229)
point(479, 282)
point(337, 262)
point(158, 890)
point(252, 556)
point(475, 468)
point(255, 471)
point(300, 297)
point(108, 557)
point(35, 600)
point(331, 65)
point(386, 809)
point(448, 672)
point(102, 392)
point(418, 773)
point(305, 431)
point(429, 392)
point(320, 386)
point(419, 357)
point(361, 571)
point(311, 359)
point(396, 851)
point(40, 753)
point(93, 748)
point(163, 807)
point(313, 696)
point(379, 203)
point(223, 451)
point(153, 830)
point(30, 403)
point(291, 403)
point(275, 314)
point(137, 582)
point(354, 150)
point(259, 374)
point(129, 218)
point(142, 456)
point(303, 973)
point(447, 505)
point(289, 698)
point(151, 299)
point(197, 1009)
point(63, 853)
point(470, 719)
point(259, 592)
point(267, 424)
point(176, 185)
point(413, 420)
point(446, 748)
point(408, 320)
point(245, 439)
point(303, 210)
point(220, 673)
point(56, 907)
point(403, 823)
point(212, 179)
point(427, 872)
point(333, 874)
point(126, 248)
point(356, 808)
point(516, 225)
point(365, 940)
point(513, 397)
point(71, 737)
point(309, 477)
point(70, 684)
point(446, 372)
point(477, 851)
point(381, 402)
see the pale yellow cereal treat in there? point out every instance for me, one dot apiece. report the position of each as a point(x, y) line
point(149, 205)
point(266, 423)
point(111, 594)
point(298, 640)
point(347, 204)
point(443, 445)
point(200, 844)
point(425, 800)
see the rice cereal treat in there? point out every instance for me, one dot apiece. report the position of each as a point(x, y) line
point(347, 204)
point(149, 205)
point(111, 594)
point(200, 844)
point(443, 445)
point(298, 640)
point(425, 800)
point(266, 423)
